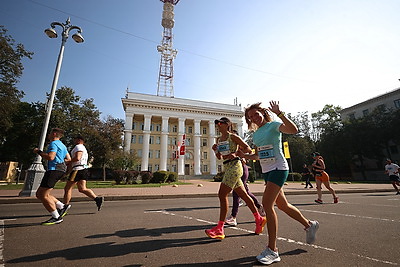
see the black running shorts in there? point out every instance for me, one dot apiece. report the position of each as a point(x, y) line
point(50, 178)
point(394, 178)
point(79, 175)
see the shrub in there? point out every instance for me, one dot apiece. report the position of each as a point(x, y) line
point(218, 177)
point(120, 177)
point(132, 177)
point(146, 176)
point(160, 177)
point(172, 177)
point(295, 176)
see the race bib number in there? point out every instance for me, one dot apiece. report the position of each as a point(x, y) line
point(266, 154)
point(223, 148)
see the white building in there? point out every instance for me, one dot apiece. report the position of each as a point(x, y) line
point(390, 100)
point(156, 125)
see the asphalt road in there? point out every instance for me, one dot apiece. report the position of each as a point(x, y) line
point(361, 230)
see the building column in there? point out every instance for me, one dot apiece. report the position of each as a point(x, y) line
point(196, 152)
point(128, 132)
point(164, 144)
point(146, 143)
point(181, 158)
point(211, 141)
point(239, 127)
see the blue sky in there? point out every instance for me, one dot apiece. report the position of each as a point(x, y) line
point(303, 53)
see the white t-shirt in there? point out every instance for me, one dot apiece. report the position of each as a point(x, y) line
point(392, 168)
point(80, 164)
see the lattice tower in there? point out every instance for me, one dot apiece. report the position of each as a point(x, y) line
point(168, 54)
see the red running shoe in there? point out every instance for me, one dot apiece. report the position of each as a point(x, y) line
point(215, 233)
point(319, 201)
point(260, 223)
point(335, 200)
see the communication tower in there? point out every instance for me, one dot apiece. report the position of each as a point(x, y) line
point(168, 54)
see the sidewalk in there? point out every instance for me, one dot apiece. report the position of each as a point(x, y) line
point(196, 188)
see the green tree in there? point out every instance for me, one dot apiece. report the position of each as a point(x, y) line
point(11, 68)
point(105, 141)
point(123, 161)
point(23, 135)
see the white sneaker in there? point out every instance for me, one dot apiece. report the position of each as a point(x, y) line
point(268, 256)
point(241, 203)
point(231, 221)
point(311, 232)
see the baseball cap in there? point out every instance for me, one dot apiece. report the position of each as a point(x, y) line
point(223, 120)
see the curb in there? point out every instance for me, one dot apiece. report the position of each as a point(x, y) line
point(19, 200)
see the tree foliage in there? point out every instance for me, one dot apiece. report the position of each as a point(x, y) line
point(103, 138)
point(11, 68)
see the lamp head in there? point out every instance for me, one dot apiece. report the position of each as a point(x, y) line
point(51, 33)
point(78, 38)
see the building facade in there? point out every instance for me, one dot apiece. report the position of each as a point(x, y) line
point(156, 127)
point(373, 168)
point(390, 100)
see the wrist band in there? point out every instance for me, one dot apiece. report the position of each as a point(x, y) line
point(39, 151)
point(281, 114)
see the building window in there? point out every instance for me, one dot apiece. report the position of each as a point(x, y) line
point(204, 130)
point(142, 126)
point(134, 126)
point(151, 141)
point(151, 127)
point(382, 107)
point(139, 167)
point(156, 167)
point(139, 153)
point(190, 129)
point(204, 141)
point(172, 141)
point(158, 140)
point(140, 139)
point(205, 168)
point(174, 129)
point(150, 154)
point(150, 168)
point(217, 132)
point(219, 168)
point(205, 155)
point(188, 141)
point(158, 154)
point(365, 112)
point(352, 116)
point(133, 139)
point(174, 168)
point(158, 127)
point(397, 103)
point(188, 156)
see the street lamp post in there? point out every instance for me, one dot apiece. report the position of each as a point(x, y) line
point(36, 170)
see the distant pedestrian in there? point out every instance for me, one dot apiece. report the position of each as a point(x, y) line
point(275, 169)
point(306, 175)
point(57, 156)
point(231, 220)
point(392, 170)
point(78, 175)
point(226, 148)
point(321, 177)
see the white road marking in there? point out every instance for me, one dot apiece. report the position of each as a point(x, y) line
point(279, 238)
point(350, 215)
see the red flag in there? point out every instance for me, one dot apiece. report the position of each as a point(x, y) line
point(182, 148)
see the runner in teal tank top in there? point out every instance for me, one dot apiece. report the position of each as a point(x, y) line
point(267, 137)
